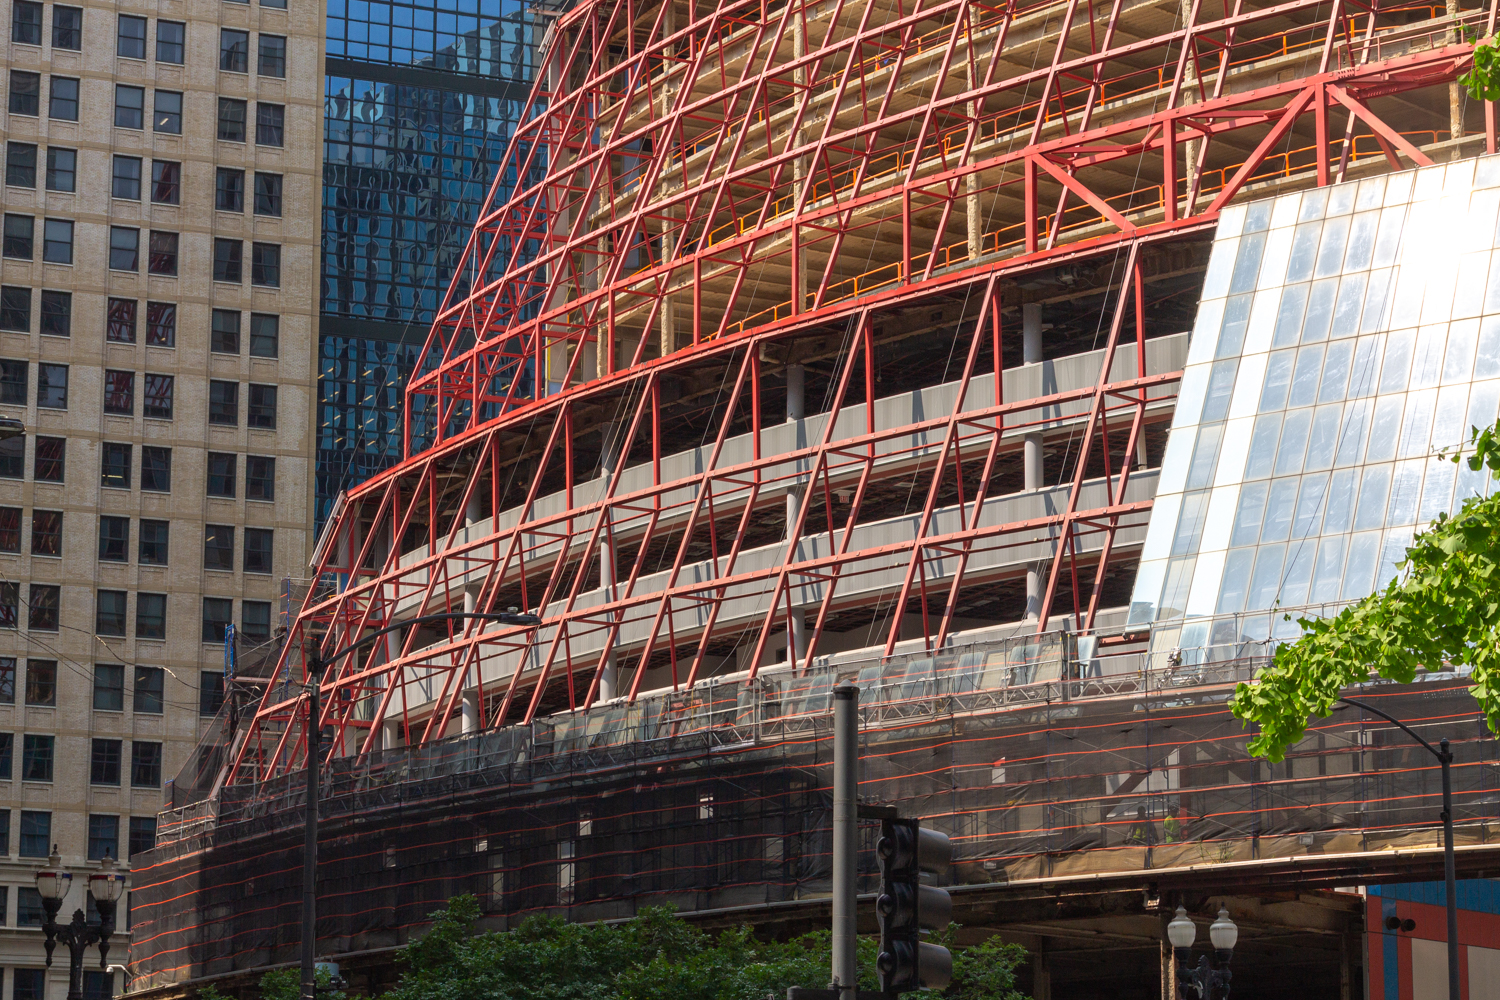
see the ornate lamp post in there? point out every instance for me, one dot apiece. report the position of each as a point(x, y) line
point(106, 886)
point(1205, 981)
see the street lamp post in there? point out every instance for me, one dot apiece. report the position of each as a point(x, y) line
point(1206, 982)
point(1450, 877)
point(317, 664)
point(106, 885)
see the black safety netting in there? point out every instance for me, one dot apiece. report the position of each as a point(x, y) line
point(1036, 762)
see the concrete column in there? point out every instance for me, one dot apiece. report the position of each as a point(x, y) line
point(1031, 353)
point(608, 460)
point(390, 735)
point(796, 626)
point(971, 181)
point(1041, 972)
point(470, 717)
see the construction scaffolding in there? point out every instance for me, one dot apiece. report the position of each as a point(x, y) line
point(1035, 761)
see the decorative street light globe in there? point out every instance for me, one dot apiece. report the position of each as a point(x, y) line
point(1181, 931)
point(53, 882)
point(107, 884)
point(1223, 933)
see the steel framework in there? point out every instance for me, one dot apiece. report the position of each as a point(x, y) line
point(715, 201)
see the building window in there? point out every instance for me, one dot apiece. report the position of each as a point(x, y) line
point(145, 764)
point(20, 164)
point(130, 106)
point(171, 38)
point(7, 697)
point(36, 757)
point(62, 169)
point(50, 460)
point(231, 119)
point(265, 264)
point(15, 315)
point(257, 550)
point(114, 465)
point(57, 241)
point(163, 256)
point(218, 547)
point(156, 469)
point(234, 50)
point(260, 477)
point(161, 323)
point(167, 112)
point(264, 335)
point(7, 751)
point(57, 313)
point(268, 194)
point(10, 541)
point(62, 101)
point(10, 599)
point(159, 392)
point(30, 983)
point(119, 321)
point(36, 840)
point(114, 538)
point(224, 338)
point(124, 248)
point(270, 124)
point(26, 93)
point(221, 468)
point(130, 42)
point(13, 458)
point(19, 236)
point(52, 386)
point(119, 392)
point(127, 178)
point(26, 22)
point(223, 402)
point(210, 692)
point(104, 837)
point(109, 612)
point(97, 984)
point(151, 616)
point(142, 834)
point(148, 690)
point(272, 61)
point(67, 28)
point(262, 409)
point(46, 532)
point(109, 696)
point(166, 182)
point(229, 190)
point(153, 551)
point(218, 614)
point(255, 622)
point(228, 257)
point(104, 761)
point(41, 611)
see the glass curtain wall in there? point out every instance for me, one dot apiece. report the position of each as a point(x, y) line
point(1346, 337)
point(419, 106)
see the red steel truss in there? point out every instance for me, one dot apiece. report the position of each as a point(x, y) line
point(707, 193)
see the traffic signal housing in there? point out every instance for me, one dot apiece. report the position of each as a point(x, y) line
point(906, 907)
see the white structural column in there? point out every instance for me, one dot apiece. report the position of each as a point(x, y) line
point(1031, 354)
point(609, 680)
point(469, 717)
point(796, 626)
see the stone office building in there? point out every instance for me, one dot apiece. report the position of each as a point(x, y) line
point(157, 294)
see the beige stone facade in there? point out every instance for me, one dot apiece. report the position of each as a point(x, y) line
point(156, 387)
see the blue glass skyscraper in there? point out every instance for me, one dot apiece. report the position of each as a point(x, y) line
point(419, 103)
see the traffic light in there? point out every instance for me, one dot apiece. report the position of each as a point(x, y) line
point(907, 907)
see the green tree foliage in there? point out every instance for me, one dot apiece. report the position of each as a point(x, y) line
point(279, 984)
point(1482, 79)
point(1443, 609)
point(655, 956)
